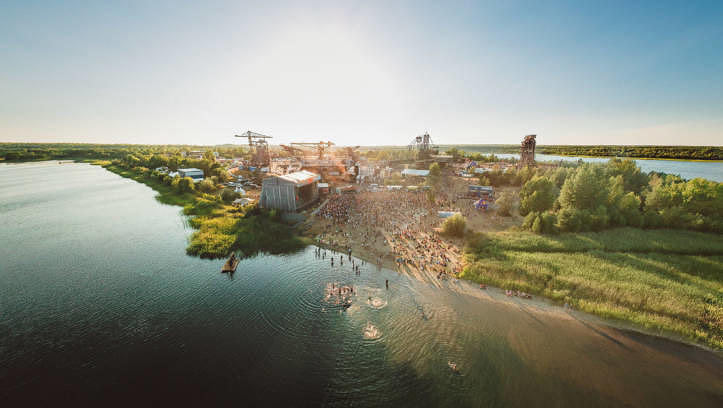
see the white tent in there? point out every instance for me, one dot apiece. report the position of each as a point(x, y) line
point(415, 172)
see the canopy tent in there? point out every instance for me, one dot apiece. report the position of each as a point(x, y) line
point(415, 172)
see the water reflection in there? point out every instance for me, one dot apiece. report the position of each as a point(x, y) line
point(118, 312)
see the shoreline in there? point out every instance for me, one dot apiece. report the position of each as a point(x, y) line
point(538, 299)
point(505, 274)
point(218, 226)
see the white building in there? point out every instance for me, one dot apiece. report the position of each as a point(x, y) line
point(195, 174)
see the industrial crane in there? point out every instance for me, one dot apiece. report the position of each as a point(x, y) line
point(258, 144)
point(321, 147)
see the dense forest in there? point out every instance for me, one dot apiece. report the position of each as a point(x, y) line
point(18, 152)
point(648, 152)
point(594, 197)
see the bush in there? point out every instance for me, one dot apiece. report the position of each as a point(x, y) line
point(629, 210)
point(205, 186)
point(185, 185)
point(505, 203)
point(599, 219)
point(229, 195)
point(540, 223)
point(549, 223)
point(529, 220)
point(572, 220)
point(536, 224)
point(537, 195)
point(454, 225)
point(203, 205)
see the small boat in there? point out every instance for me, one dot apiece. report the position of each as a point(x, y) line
point(231, 264)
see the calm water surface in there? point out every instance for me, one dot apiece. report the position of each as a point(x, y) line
point(100, 304)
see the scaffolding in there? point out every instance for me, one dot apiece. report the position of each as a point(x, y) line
point(527, 151)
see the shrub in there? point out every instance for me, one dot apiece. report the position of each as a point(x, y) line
point(454, 225)
point(629, 210)
point(274, 214)
point(505, 203)
point(536, 224)
point(572, 220)
point(599, 219)
point(540, 223)
point(229, 195)
point(205, 186)
point(203, 205)
point(549, 223)
point(537, 195)
point(529, 220)
point(185, 185)
point(484, 181)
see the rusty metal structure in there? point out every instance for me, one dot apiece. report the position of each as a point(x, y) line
point(259, 148)
point(527, 151)
point(332, 163)
point(423, 145)
point(323, 148)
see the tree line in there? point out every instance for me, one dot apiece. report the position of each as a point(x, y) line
point(649, 152)
point(18, 152)
point(594, 197)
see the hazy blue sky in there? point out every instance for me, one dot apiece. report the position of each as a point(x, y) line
point(579, 72)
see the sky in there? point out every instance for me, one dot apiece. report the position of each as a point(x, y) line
point(362, 73)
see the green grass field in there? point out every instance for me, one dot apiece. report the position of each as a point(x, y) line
point(663, 280)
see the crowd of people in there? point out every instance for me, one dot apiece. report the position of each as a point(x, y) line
point(396, 224)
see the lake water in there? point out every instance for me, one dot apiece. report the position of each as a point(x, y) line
point(100, 304)
point(711, 170)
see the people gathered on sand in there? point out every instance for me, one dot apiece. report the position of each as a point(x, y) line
point(402, 222)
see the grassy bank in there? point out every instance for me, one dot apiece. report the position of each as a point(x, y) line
point(222, 228)
point(663, 280)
